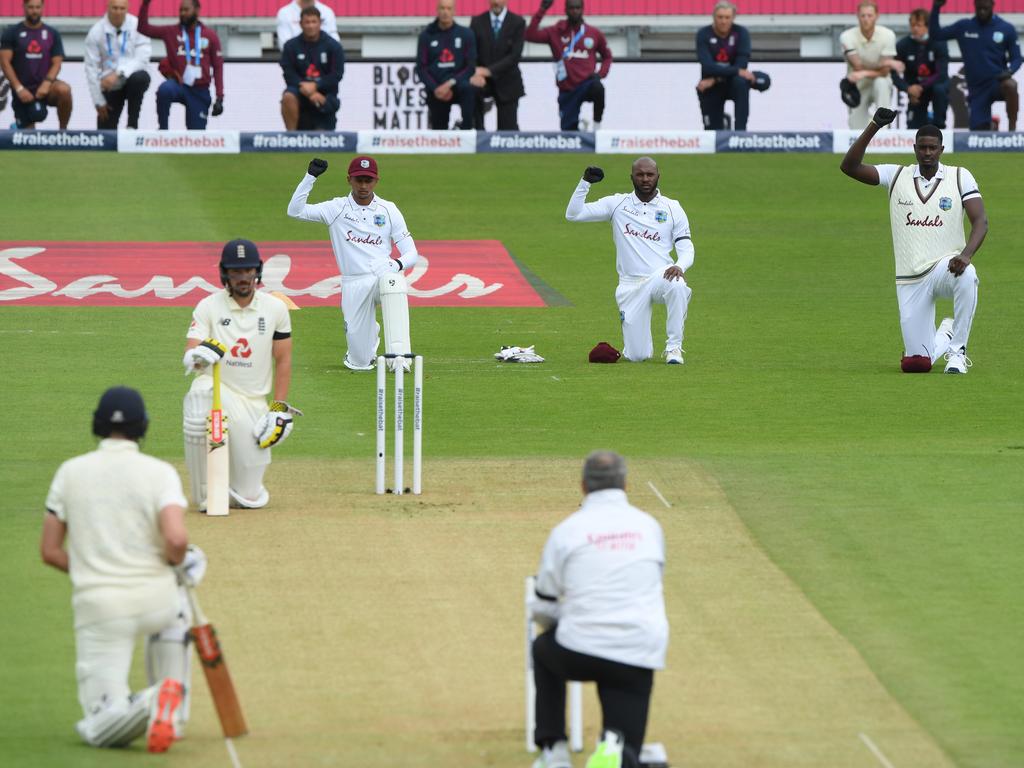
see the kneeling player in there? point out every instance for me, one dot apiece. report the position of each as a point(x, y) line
point(242, 329)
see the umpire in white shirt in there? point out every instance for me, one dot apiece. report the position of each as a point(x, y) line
point(599, 589)
point(116, 60)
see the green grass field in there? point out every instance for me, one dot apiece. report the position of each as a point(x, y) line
point(844, 541)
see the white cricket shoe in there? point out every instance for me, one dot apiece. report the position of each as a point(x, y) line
point(958, 361)
point(354, 367)
point(943, 335)
point(556, 756)
point(673, 356)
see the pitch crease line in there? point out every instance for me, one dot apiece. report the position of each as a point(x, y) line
point(235, 762)
point(658, 494)
point(875, 750)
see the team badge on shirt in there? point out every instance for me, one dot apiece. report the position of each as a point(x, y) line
point(997, 37)
point(945, 203)
point(661, 216)
point(588, 42)
point(379, 220)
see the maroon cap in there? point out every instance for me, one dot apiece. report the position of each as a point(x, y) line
point(604, 353)
point(363, 166)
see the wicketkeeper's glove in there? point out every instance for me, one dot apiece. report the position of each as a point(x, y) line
point(207, 353)
point(593, 174)
point(275, 425)
point(317, 167)
point(883, 117)
point(218, 108)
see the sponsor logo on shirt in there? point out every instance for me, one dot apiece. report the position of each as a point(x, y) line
point(225, 321)
point(261, 325)
point(934, 221)
point(903, 202)
point(624, 540)
point(654, 237)
point(241, 348)
point(351, 237)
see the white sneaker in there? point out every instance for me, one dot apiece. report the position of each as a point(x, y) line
point(943, 335)
point(958, 361)
point(673, 356)
point(556, 756)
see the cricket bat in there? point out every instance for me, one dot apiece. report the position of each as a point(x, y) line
point(222, 690)
point(217, 454)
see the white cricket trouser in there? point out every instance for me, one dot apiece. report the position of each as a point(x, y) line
point(360, 296)
point(874, 92)
point(635, 297)
point(248, 462)
point(168, 656)
point(917, 307)
point(104, 656)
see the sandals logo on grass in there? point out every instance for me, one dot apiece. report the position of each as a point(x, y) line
point(449, 273)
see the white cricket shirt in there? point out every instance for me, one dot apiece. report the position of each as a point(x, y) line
point(881, 45)
point(248, 333)
point(604, 562)
point(110, 500)
point(926, 215)
point(644, 233)
point(361, 235)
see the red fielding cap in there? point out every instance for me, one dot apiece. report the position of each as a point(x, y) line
point(363, 166)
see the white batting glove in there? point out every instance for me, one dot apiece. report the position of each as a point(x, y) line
point(384, 267)
point(192, 569)
point(275, 425)
point(207, 353)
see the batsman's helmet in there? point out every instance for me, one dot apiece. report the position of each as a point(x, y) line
point(120, 410)
point(240, 254)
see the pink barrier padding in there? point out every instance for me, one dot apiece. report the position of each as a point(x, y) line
point(449, 273)
point(380, 8)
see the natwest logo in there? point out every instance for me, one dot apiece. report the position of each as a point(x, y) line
point(241, 348)
point(449, 273)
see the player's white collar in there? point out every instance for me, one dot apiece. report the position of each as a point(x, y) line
point(939, 174)
point(637, 201)
point(357, 206)
point(232, 304)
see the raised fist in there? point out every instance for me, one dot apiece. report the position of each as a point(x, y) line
point(883, 117)
point(593, 174)
point(317, 167)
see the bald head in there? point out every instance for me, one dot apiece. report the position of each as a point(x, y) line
point(647, 163)
point(603, 470)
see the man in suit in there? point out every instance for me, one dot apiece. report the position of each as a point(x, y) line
point(499, 45)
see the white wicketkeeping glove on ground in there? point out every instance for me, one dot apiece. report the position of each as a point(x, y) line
point(518, 355)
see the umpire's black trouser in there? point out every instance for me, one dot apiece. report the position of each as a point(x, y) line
point(132, 92)
point(624, 691)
